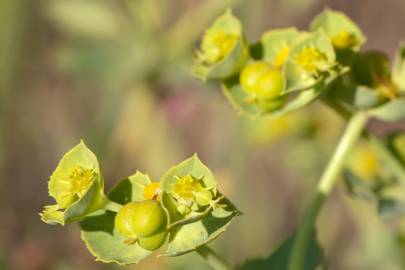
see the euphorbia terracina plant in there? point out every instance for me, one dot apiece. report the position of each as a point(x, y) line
point(285, 70)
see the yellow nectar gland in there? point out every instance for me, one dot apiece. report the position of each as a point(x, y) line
point(309, 58)
point(186, 187)
point(345, 40)
point(80, 179)
point(217, 44)
point(281, 57)
point(152, 191)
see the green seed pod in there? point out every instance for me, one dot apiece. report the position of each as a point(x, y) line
point(124, 221)
point(153, 242)
point(262, 80)
point(141, 219)
point(251, 74)
point(270, 84)
point(371, 68)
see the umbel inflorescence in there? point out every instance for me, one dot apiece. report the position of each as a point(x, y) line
point(183, 211)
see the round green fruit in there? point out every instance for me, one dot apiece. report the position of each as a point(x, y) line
point(153, 242)
point(251, 74)
point(262, 80)
point(270, 84)
point(124, 221)
point(142, 219)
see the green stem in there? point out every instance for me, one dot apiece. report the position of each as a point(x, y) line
point(213, 259)
point(328, 180)
point(111, 206)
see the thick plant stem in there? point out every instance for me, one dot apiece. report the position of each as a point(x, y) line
point(328, 180)
point(213, 259)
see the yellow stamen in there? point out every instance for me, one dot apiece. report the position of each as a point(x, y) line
point(80, 180)
point(185, 187)
point(309, 58)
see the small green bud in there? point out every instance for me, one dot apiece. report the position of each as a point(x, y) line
point(262, 80)
point(153, 242)
point(141, 219)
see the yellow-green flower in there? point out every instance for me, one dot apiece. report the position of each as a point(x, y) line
point(223, 50)
point(311, 59)
point(190, 194)
point(216, 45)
point(76, 174)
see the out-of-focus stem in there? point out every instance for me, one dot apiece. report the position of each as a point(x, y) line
point(328, 180)
point(213, 259)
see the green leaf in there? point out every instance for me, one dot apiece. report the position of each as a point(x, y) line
point(308, 62)
point(342, 31)
point(130, 189)
point(105, 243)
point(279, 259)
point(391, 111)
point(398, 72)
point(186, 238)
point(228, 61)
point(77, 185)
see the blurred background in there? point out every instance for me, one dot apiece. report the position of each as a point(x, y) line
point(117, 74)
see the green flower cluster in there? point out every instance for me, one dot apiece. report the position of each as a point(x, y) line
point(288, 68)
point(138, 216)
